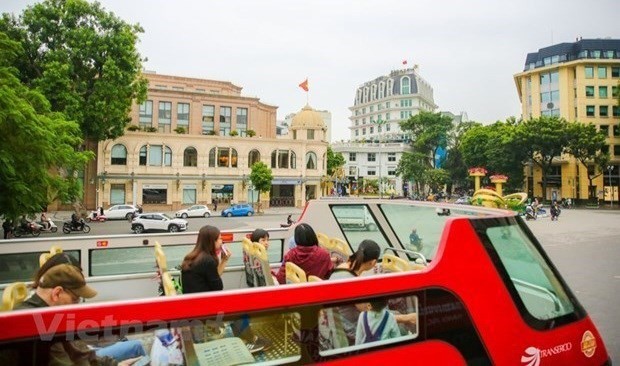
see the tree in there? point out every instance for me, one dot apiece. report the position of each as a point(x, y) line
point(83, 59)
point(261, 177)
point(429, 132)
point(38, 152)
point(585, 144)
point(543, 138)
point(334, 160)
point(454, 163)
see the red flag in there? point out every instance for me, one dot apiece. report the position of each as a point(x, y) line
point(404, 62)
point(304, 85)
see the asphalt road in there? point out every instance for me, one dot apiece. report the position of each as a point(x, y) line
point(584, 245)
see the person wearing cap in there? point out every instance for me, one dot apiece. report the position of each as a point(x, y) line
point(364, 259)
point(307, 254)
point(64, 284)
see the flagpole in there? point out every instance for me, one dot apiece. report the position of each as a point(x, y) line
point(307, 94)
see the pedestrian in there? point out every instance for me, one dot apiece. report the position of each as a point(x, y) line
point(555, 211)
point(7, 226)
point(214, 205)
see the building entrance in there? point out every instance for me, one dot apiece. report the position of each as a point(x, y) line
point(282, 195)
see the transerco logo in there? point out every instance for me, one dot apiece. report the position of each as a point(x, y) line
point(588, 344)
point(533, 355)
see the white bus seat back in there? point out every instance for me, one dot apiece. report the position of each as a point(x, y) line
point(13, 295)
point(294, 274)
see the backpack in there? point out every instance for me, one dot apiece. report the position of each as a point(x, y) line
point(370, 337)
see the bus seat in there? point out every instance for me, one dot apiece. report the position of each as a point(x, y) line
point(323, 239)
point(294, 274)
point(54, 249)
point(14, 294)
point(168, 284)
point(250, 276)
point(261, 267)
point(160, 258)
point(392, 263)
point(313, 278)
point(338, 249)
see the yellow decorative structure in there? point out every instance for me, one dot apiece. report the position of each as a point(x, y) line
point(498, 180)
point(477, 173)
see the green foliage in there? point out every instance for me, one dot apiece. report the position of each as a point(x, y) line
point(150, 129)
point(428, 131)
point(436, 178)
point(251, 133)
point(180, 130)
point(334, 161)
point(585, 144)
point(83, 59)
point(133, 128)
point(37, 147)
point(234, 133)
point(455, 163)
point(261, 177)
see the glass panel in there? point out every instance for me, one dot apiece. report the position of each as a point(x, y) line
point(602, 72)
point(155, 155)
point(189, 196)
point(223, 157)
point(589, 91)
point(225, 120)
point(274, 159)
point(167, 156)
point(357, 224)
point(538, 287)
point(233, 158)
point(589, 70)
point(119, 155)
point(183, 116)
point(212, 158)
point(157, 196)
point(242, 121)
point(311, 160)
point(146, 113)
point(283, 159)
point(602, 92)
point(253, 158)
point(293, 160)
point(22, 266)
point(190, 157)
point(208, 119)
point(117, 194)
point(164, 116)
point(142, 155)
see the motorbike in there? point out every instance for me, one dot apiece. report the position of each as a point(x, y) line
point(31, 228)
point(95, 216)
point(68, 227)
point(51, 229)
point(289, 222)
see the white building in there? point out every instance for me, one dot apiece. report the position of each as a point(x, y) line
point(377, 142)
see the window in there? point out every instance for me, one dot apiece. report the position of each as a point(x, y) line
point(371, 172)
point(190, 157)
point(117, 194)
point(142, 156)
point(372, 157)
point(391, 156)
point(616, 130)
point(405, 87)
point(293, 160)
point(604, 129)
point(589, 72)
point(603, 111)
point(310, 134)
point(146, 114)
point(364, 131)
point(164, 116)
point(225, 118)
point(226, 157)
point(253, 158)
point(189, 195)
point(372, 129)
point(119, 155)
point(352, 171)
point(602, 92)
point(387, 126)
point(208, 120)
point(357, 132)
point(391, 171)
point(283, 159)
point(615, 71)
point(616, 112)
point(602, 72)
point(155, 155)
point(242, 121)
point(183, 116)
point(596, 54)
point(311, 161)
point(589, 91)
point(154, 195)
point(590, 110)
point(352, 156)
point(614, 91)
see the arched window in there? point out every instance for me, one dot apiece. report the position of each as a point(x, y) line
point(381, 90)
point(405, 85)
point(311, 160)
point(190, 157)
point(233, 158)
point(155, 155)
point(253, 158)
point(293, 160)
point(212, 158)
point(167, 156)
point(283, 159)
point(390, 87)
point(142, 160)
point(119, 155)
point(373, 92)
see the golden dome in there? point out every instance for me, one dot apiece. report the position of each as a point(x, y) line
point(308, 118)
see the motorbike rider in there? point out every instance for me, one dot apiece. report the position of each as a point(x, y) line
point(45, 222)
point(24, 223)
point(289, 220)
point(76, 223)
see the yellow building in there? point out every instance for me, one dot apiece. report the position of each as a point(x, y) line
point(193, 141)
point(580, 82)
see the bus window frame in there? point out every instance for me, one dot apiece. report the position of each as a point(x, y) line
point(375, 221)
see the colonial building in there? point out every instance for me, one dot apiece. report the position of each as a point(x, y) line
point(377, 142)
point(578, 81)
point(194, 141)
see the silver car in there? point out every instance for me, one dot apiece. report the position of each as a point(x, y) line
point(194, 211)
point(120, 212)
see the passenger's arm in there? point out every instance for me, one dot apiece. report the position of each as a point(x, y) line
point(222, 264)
point(411, 318)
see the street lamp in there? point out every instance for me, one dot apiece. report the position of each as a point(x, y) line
point(610, 168)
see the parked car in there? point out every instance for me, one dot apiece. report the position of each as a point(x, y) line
point(464, 200)
point(238, 210)
point(119, 212)
point(194, 211)
point(157, 221)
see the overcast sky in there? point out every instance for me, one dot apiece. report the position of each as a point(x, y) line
point(467, 50)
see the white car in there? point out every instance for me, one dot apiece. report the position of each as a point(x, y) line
point(120, 212)
point(194, 211)
point(157, 221)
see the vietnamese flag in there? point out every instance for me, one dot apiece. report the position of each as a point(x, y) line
point(404, 62)
point(304, 85)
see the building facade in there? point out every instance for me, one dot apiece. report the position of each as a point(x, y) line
point(194, 141)
point(578, 81)
point(325, 115)
point(377, 142)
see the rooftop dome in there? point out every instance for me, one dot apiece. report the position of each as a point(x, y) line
point(308, 118)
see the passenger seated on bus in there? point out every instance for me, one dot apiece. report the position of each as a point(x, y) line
point(202, 268)
point(344, 318)
point(64, 284)
point(260, 236)
point(307, 254)
point(56, 259)
point(376, 324)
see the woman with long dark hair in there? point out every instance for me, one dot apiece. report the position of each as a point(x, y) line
point(202, 268)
